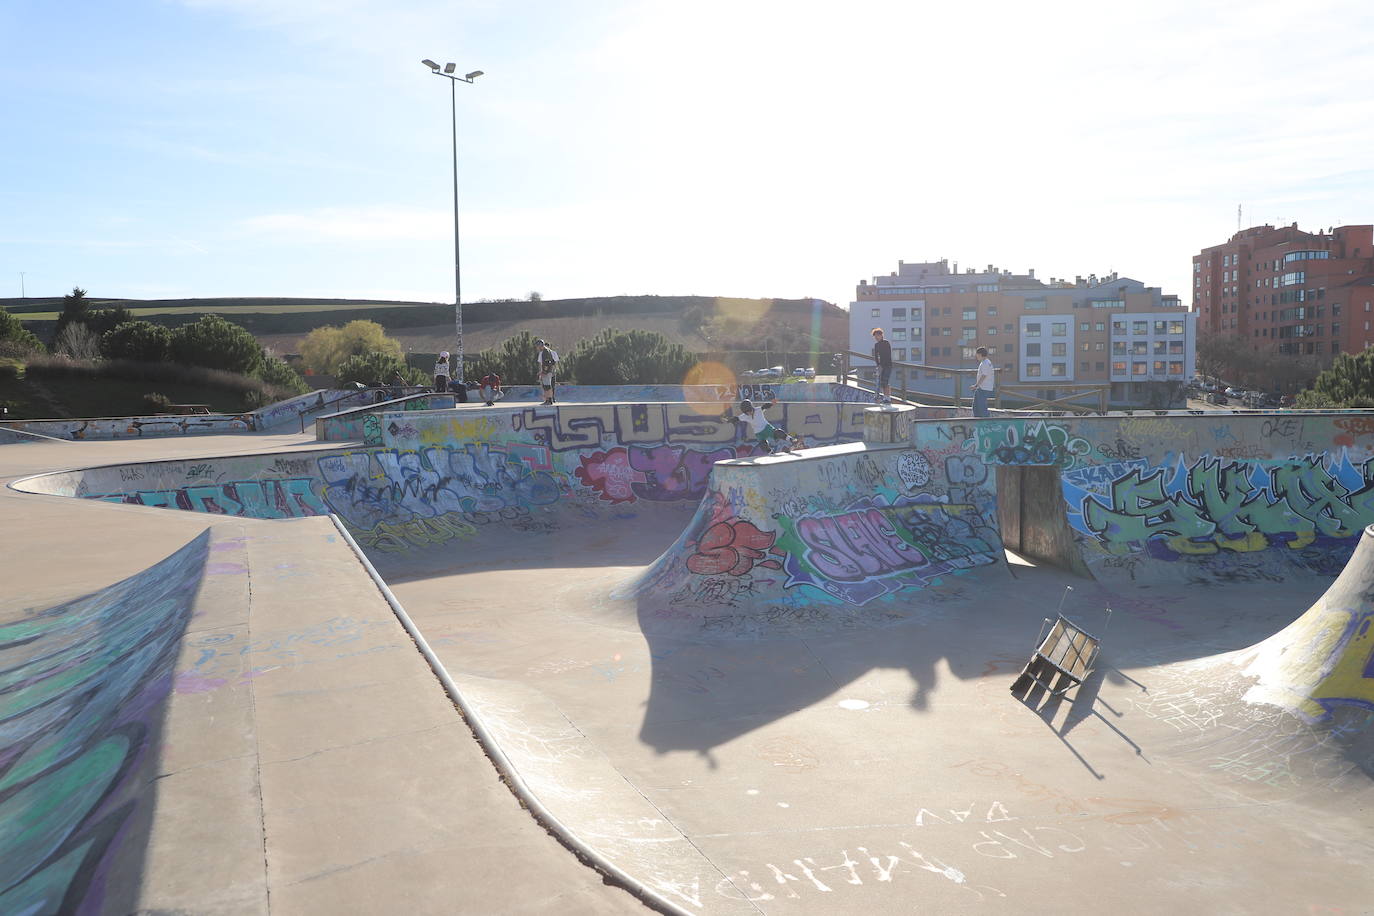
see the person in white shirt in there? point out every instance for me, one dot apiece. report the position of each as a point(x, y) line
point(545, 359)
point(766, 434)
point(441, 373)
point(982, 384)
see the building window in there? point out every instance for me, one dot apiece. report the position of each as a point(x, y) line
point(1292, 256)
point(1057, 369)
point(992, 332)
point(1099, 326)
point(992, 311)
point(1006, 348)
point(1033, 329)
point(1036, 305)
point(1140, 368)
point(970, 333)
point(1161, 347)
point(1176, 367)
point(915, 333)
point(967, 352)
point(1119, 366)
point(1083, 365)
point(899, 333)
point(899, 313)
point(1100, 366)
point(1109, 303)
point(1008, 328)
point(1033, 369)
point(915, 314)
point(1118, 348)
point(970, 314)
point(987, 287)
point(1175, 348)
point(898, 353)
point(1083, 326)
point(1118, 327)
point(1086, 346)
point(1176, 327)
point(1100, 345)
point(1059, 329)
point(1058, 349)
point(1159, 367)
point(1293, 278)
point(1140, 347)
point(1032, 349)
point(1140, 327)
point(875, 313)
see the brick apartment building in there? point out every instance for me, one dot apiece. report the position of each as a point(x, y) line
point(1288, 291)
point(1108, 329)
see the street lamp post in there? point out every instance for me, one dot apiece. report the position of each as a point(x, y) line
point(448, 71)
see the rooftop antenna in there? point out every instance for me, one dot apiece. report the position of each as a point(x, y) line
point(1238, 206)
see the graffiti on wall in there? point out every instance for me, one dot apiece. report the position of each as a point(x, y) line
point(663, 473)
point(289, 498)
point(1018, 442)
point(874, 548)
point(1215, 504)
point(400, 498)
point(83, 689)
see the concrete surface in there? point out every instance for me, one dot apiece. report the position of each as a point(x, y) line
point(779, 684)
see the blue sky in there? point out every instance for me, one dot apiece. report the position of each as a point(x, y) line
point(724, 147)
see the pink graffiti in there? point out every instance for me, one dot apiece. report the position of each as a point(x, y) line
point(664, 473)
point(732, 547)
point(856, 546)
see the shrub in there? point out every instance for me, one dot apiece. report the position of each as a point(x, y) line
point(9, 370)
point(78, 341)
point(157, 403)
point(141, 341)
point(213, 343)
point(278, 374)
point(635, 357)
point(15, 339)
point(368, 368)
point(325, 349)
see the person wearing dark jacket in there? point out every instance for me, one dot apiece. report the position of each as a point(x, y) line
point(882, 357)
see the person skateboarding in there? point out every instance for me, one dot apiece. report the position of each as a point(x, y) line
point(765, 433)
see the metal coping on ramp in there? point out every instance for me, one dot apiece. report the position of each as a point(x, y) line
point(509, 774)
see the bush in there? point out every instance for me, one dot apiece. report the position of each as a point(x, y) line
point(368, 368)
point(214, 343)
point(15, 339)
point(325, 349)
point(278, 374)
point(78, 341)
point(514, 361)
point(9, 370)
point(635, 357)
point(164, 373)
point(141, 341)
point(157, 403)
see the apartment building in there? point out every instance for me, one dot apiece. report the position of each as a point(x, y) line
point(1089, 329)
point(1288, 291)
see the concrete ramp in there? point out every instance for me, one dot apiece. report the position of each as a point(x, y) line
point(1323, 661)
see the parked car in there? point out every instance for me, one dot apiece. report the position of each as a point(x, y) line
point(807, 372)
point(770, 372)
point(1216, 397)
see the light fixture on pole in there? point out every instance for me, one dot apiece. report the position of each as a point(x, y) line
point(448, 72)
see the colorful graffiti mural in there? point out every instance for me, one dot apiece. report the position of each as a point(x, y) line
point(290, 498)
point(81, 688)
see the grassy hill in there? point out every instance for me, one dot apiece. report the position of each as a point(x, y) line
point(755, 330)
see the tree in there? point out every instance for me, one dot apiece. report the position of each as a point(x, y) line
point(16, 338)
point(514, 361)
point(78, 341)
point(368, 368)
point(75, 308)
point(325, 349)
point(107, 319)
point(635, 357)
point(278, 374)
point(214, 343)
point(1349, 382)
point(141, 341)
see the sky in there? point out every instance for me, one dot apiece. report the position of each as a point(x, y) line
point(185, 148)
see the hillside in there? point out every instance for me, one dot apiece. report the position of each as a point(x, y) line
point(755, 328)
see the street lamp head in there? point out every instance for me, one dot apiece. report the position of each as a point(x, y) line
point(450, 67)
point(430, 64)
point(472, 76)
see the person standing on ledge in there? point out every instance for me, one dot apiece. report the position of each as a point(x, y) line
point(882, 357)
point(546, 359)
point(441, 373)
point(982, 383)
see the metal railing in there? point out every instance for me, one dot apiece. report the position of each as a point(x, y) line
point(1052, 396)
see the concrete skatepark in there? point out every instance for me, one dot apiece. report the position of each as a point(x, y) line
point(648, 667)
